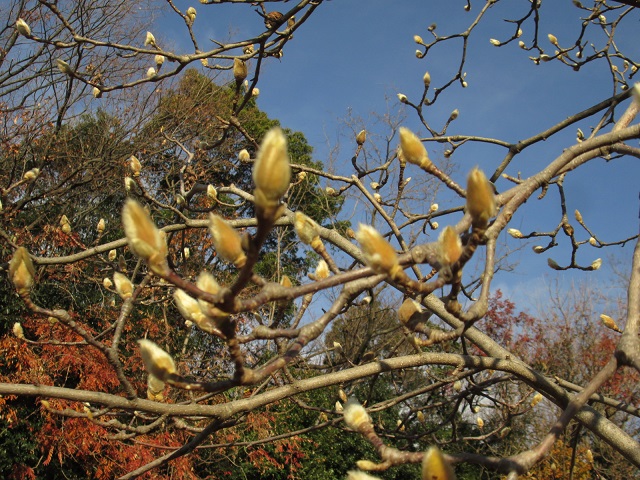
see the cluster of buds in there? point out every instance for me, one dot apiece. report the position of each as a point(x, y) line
point(271, 174)
point(379, 255)
point(156, 361)
point(145, 239)
point(412, 150)
point(481, 202)
point(227, 241)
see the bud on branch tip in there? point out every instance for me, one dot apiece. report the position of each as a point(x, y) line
point(378, 253)
point(145, 240)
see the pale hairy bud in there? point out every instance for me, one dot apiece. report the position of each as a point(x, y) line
point(538, 249)
point(379, 255)
point(342, 395)
point(18, 330)
point(481, 202)
point(419, 54)
point(64, 220)
point(457, 386)
point(97, 93)
point(124, 287)
point(207, 283)
point(135, 165)
point(302, 176)
point(480, 423)
point(545, 58)
point(337, 346)
point(519, 33)
point(285, 281)
point(112, 255)
point(375, 185)
point(248, 50)
point(21, 271)
point(579, 135)
point(420, 416)
point(426, 78)
point(150, 40)
point(355, 415)
point(64, 67)
point(449, 247)
point(367, 300)
point(66, 228)
point(464, 84)
point(155, 384)
point(159, 59)
point(515, 233)
point(101, 225)
point(212, 193)
point(145, 240)
point(403, 98)
point(596, 264)
point(413, 150)
point(339, 408)
point(129, 184)
point(418, 39)
point(408, 309)
point(180, 200)
point(244, 156)
point(361, 137)
point(522, 45)
point(107, 283)
point(31, 174)
point(239, 70)
point(537, 398)
point(322, 270)
point(495, 42)
point(204, 62)
point(356, 475)
point(306, 229)
point(151, 72)
point(191, 14)
point(602, 19)
point(593, 242)
point(454, 115)
point(589, 455)
point(227, 241)
point(156, 361)
point(578, 216)
point(255, 92)
point(434, 225)
point(553, 264)
point(331, 191)
point(271, 171)
point(188, 307)
point(433, 208)
point(23, 27)
point(377, 197)
point(435, 466)
point(553, 39)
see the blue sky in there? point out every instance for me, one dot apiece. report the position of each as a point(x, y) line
point(356, 55)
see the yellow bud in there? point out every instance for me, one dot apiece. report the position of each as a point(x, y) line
point(592, 241)
point(154, 384)
point(244, 156)
point(578, 216)
point(187, 252)
point(515, 233)
point(150, 40)
point(355, 415)
point(449, 247)
point(596, 264)
point(413, 150)
point(271, 171)
point(306, 229)
point(433, 208)
point(97, 93)
point(494, 42)
point(18, 331)
point(339, 408)
point(112, 255)
point(537, 398)
point(538, 249)
point(408, 309)
point(207, 283)
point(322, 270)
point(553, 39)
point(378, 253)
point(157, 362)
point(101, 225)
point(435, 466)
point(227, 241)
point(124, 287)
point(589, 455)
point(188, 307)
point(212, 193)
point(519, 33)
point(454, 115)
point(363, 465)
point(610, 323)
point(151, 72)
point(31, 174)
point(427, 79)
point(434, 225)
point(457, 385)
point(64, 67)
point(129, 184)
point(23, 27)
point(145, 240)
point(107, 283)
point(239, 70)
point(255, 92)
point(361, 137)
point(342, 395)
point(135, 165)
point(522, 45)
point(159, 59)
point(191, 14)
point(21, 271)
point(418, 39)
point(403, 98)
point(480, 423)
point(420, 416)
point(481, 203)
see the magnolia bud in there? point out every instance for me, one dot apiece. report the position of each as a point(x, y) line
point(596, 264)
point(129, 184)
point(408, 309)
point(418, 39)
point(361, 137)
point(135, 165)
point(226, 241)
point(495, 42)
point(427, 79)
point(151, 72)
point(255, 92)
point(191, 14)
point(31, 174)
point(107, 283)
point(322, 270)
point(434, 225)
point(593, 242)
point(239, 70)
point(403, 98)
point(454, 115)
point(159, 59)
point(413, 150)
point(101, 225)
point(480, 423)
point(537, 398)
point(145, 240)
point(244, 156)
point(18, 331)
point(23, 27)
point(553, 264)
point(150, 40)
point(212, 193)
point(553, 39)
point(578, 216)
point(271, 171)
point(481, 203)
point(433, 208)
point(306, 229)
point(457, 385)
point(339, 408)
point(156, 361)
point(124, 287)
point(97, 93)
point(538, 249)
point(515, 233)
point(22, 271)
point(355, 415)
point(449, 247)
point(64, 67)
point(379, 255)
point(112, 255)
point(187, 252)
point(435, 467)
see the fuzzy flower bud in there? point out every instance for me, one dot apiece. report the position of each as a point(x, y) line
point(18, 331)
point(593, 242)
point(494, 42)
point(145, 240)
point(361, 137)
point(553, 39)
point(151, 72)
point(97, 93)
point(226, 241)
point(155, 387)
point(135, 165)
point(31, 174)
point(159, 59)
point(191, 14)
point(596, 264)
point(21, 271)
point(212, 193)
point(306, 229)
point(239, 70)
point(481, 202)
point(553, 264)
point(322, 270)
point(64, 67)
point(480, 422)
point(408, 309)
point(271, 171)
point(101, 225)
point(403, 98)
point(610, 323)
point(427, 79)
point(435, 466)
point(413, 150)
point(418, 39)
point(156, 361)
point(537, 398)
point(244, 156)
point(578, 216)
point(433, 208)
point(515, 233)
point(150, 40)
point(538, 249)
point(449, 247)
point(355, 415)
point(207, 283)
point(378, 253)
point(454, 115)
point(23, 27)
point(107, 283)
point(112, 255)
point(255, 92)
point(124, 287)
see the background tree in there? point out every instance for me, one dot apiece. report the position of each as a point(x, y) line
point(181, 344)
